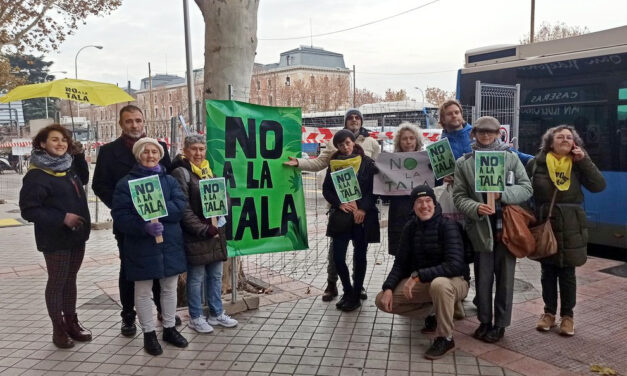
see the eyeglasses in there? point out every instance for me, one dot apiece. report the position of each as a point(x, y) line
point(486, 131)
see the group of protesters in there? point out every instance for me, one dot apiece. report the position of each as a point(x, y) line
point(429, 249)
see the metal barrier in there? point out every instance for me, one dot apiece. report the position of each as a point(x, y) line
point(501, 102)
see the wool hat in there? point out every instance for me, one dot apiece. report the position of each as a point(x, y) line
point(353, 111)
point(140, 144)
point(421, 191)
point(341, 135)
point(487, 123)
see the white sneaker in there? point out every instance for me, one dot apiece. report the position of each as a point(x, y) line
point(224, 320)
point(200, 325)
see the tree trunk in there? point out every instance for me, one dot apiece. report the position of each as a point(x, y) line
point(230, 49)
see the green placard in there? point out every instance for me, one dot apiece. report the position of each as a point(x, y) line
point(213, 197)
point(489, 171)
point(441, 158)
point(346, 185)
point(247, 145)
point(148, 197)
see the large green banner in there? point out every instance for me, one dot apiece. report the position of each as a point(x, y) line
point(247, 145)
point(148, 197)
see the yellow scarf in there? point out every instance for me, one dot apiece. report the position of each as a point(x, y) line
point(47, 171)
point(339, 164)
point(559, 170)
point(204, 171)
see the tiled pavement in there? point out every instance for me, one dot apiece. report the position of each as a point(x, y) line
point(294, 332)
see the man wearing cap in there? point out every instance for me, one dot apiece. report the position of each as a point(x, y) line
point(353, 121)
point(429, 267)
point(115, 161)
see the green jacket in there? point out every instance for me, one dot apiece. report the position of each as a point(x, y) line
point(467, 200)
point(568, 218)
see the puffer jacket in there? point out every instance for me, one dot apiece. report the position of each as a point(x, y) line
point(459, 140)
point(142, 257)
point(369, 145)
point(467, 200)
point(199, 248)
point(568, 218)
point(434, 248)
point(367, 202)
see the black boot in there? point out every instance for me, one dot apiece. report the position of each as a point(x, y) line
point(151, 344)
point(330, 292)
point(59, 336)
point(75, 330)
point(482, 330)
point(352, 301)
point(362, 294)
point(128, 328)
point(440, 347)
point(494, 335)
point(341, 302)
point(177, 319)
point(431, 324)
point(173, 337)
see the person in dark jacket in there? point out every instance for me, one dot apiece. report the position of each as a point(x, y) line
point(429, 267)
point(115, 160)
point(205, 241)
point(143, 257)
point(406, 139)
point(562, 167)
point(365, 221)
point(52, 197)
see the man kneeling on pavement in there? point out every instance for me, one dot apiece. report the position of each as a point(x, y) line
point(429, 267)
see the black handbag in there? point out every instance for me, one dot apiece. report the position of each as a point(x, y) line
point(340, 222)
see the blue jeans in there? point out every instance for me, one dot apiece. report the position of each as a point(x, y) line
point(212, 274)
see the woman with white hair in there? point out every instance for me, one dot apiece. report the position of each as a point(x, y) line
point(143, 258)
point(406, 139)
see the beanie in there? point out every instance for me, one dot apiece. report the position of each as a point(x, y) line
point(140, 144)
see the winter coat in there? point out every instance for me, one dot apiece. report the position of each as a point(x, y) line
point(142, 257)
point(467, 201)
point(115, 160)
point(400, 211)
point(199, 248)
point(568, 218)
point(45, 199)
point(367, 202)
point(369, 145)
point(434, 248)
point(459, 140)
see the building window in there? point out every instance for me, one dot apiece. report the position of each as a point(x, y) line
point(156, 112)
point(269, 84)
point(258, 85)
point(270, 100)
point(163, 110)
point(169, 96)
point(170, 111)
point(287, 81)
point(289, 60)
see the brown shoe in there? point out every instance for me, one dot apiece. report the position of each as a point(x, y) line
point(59, 336)
point(546, 322)
point(75, 330)
point(567, 326)
point(330, 292)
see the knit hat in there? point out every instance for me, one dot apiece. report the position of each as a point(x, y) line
point(421, 191)
point(486, 123)
point(341, 135)
point(139, 146)
point(353, 111)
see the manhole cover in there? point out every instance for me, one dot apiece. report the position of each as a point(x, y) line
point(618, 270)
point(522, 286)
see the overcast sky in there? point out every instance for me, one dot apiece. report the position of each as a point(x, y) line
point(422, 48)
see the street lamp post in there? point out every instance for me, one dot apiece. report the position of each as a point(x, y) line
point(78, 110)
point(46, 80)
point(423, 105)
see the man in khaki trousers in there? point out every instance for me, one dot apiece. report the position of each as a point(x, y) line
point(429, 267)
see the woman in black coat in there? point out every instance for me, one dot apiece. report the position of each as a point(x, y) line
point(407, 139)
point(362, 213)
point(143, 258)
point(52, 197)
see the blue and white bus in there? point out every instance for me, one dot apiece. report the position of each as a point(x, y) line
point(581, 81)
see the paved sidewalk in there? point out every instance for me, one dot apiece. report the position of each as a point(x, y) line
point(294, 332)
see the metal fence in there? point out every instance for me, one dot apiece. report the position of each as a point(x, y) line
point(501, 102)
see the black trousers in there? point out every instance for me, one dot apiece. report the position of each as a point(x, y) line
point(340, 247)
point(127, 287)
point(564, 276)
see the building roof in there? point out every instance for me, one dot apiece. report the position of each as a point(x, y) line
point(161, 80)
point(307, 56)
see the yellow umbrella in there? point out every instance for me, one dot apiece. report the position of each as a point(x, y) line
point(84, 91)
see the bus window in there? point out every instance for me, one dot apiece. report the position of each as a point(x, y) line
point(621, 117)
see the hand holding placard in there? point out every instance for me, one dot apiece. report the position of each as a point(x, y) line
point(155, 228)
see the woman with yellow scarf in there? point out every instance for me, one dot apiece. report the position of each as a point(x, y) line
point(562, 167)
point(205, 244)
